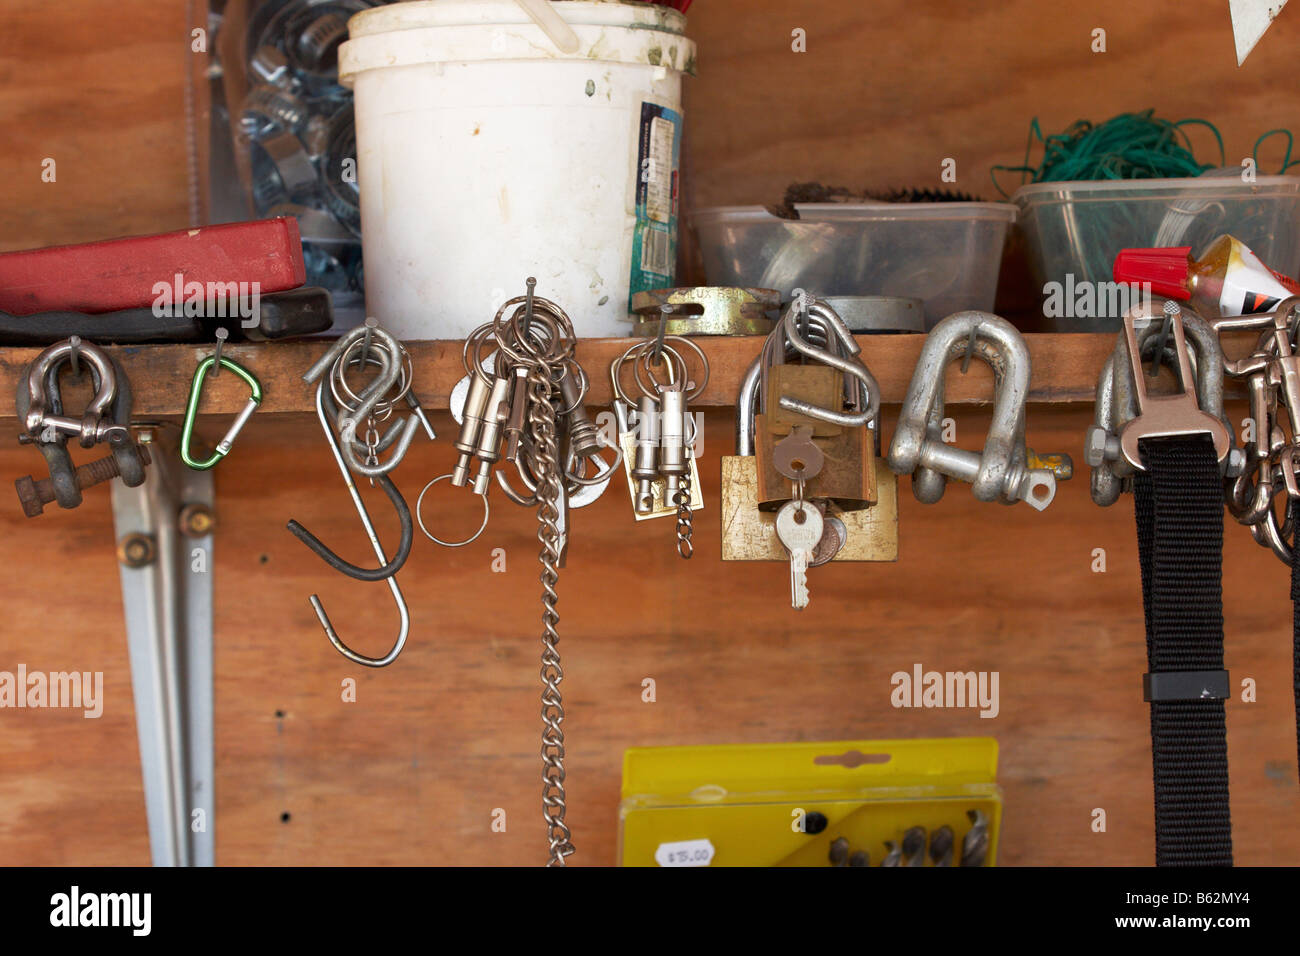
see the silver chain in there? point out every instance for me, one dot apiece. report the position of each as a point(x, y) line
point(538, 336)
point(544, 463)
point(685, 519)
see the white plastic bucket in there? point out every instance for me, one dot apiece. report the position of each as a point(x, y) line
point(485, 155)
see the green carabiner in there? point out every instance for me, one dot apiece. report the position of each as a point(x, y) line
point(192, 411)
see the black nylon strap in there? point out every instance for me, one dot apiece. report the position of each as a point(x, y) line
point(1295, 603)
point(1178, 502)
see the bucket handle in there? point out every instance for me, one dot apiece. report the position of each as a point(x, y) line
point(552, 24)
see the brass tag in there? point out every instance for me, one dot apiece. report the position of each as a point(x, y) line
point(750, 535)
point(627, 441)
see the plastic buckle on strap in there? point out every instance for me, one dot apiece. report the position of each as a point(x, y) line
point(1163, 686)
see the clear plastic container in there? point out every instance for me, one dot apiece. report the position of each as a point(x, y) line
point(1074, 230)
point(946, 254)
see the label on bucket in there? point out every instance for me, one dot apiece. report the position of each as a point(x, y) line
point(654, 242)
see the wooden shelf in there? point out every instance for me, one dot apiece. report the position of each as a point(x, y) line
point(1065, 368)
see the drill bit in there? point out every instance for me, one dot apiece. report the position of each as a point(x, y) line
point(975, 844)
point(894, 856)
point(914, 847)
point(860, 858)
point(941, 846)
point(839, 852)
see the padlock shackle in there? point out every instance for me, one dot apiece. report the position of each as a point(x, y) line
point(746, 408)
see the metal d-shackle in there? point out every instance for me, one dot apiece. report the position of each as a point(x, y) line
point(39, 404)
point(42, 387)
point(999, 473)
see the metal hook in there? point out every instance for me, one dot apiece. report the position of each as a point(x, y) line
point(390, 578)
point(74, 355)
point(528, 304)
point(972, 344)
point(369, 325)
point(348, 419)
point(1171, 311)
point(325, 408)
point(658, 353)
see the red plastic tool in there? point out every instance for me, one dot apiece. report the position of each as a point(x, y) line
point(124, 273)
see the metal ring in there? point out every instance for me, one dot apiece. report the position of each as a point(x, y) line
point(616, 369)
point(560, 342)
point(601, 474)
point(474, 342)
point(673, 363)
point(350, 399)
point(704, 365)
point(509, 332)
point(419, 505)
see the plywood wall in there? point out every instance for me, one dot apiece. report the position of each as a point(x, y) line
point(887, 90)
point(411, 772)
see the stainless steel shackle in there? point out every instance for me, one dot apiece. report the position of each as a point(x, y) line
point(1117, 403)
point(42, 384)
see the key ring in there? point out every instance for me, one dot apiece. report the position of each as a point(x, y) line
point(346, 397)
point(419, 517)
point(602, 474)
point(644, 362)
point(670, 359)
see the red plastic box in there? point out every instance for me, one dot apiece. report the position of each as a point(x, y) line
point(123, 273)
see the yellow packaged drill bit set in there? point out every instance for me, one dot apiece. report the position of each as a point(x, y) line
point(836, 803)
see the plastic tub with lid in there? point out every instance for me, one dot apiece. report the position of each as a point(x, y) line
point(946, 254)
point(1074, 230)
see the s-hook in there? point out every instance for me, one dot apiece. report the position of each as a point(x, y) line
point(387, 569)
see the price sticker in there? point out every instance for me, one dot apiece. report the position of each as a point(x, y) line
point(685, 853)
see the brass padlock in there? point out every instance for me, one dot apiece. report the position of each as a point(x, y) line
point(856, 493)
point(829, 400)
point(818, 385)
point(848, 474)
